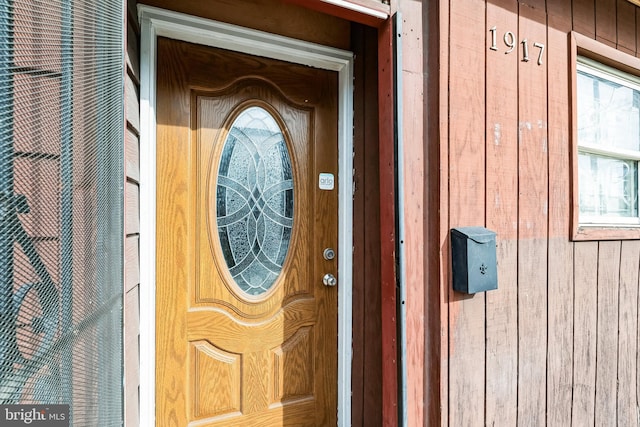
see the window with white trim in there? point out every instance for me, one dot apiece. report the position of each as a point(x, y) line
point(608, 125)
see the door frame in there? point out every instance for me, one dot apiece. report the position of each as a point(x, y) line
point(156, 23)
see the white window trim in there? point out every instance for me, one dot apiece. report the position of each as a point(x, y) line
point(614, 75)
point(157, 22)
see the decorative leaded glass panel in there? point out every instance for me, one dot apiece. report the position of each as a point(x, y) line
point(254, 200)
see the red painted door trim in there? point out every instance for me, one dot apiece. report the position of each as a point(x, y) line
point(379, 17)
point(387, 225)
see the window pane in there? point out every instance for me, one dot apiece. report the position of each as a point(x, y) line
point(254, 200)
point(608, 113)
point(607, 186)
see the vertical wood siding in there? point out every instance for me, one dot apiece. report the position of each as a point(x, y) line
point(132, 221)
point(557, 343)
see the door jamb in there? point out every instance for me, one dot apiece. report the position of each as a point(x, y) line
point(157, 22)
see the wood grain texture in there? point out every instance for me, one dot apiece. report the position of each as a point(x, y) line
point(209, 400)
point(502, 217)
point(173, 184)
point(560, 252)
point(413, 177)
point(532, 223)
point(628, 334)
point(607, 335)
point(387, 225)
point(466, 205)
point(440, 407)
point(575, 322)
point(279, 349)
point(585, 324)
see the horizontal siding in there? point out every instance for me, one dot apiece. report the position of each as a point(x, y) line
point(557, 343)
point(132, 223)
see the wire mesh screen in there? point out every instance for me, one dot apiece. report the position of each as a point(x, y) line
point(61, 208)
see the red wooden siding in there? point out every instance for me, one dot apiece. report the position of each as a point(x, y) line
point(557, 343)
point(502, 216)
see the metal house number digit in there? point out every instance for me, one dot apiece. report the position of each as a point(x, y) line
point(511, 42)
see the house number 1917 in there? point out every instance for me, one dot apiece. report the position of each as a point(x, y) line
point(510, 42)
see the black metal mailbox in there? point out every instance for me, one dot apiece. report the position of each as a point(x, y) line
point(473, 259)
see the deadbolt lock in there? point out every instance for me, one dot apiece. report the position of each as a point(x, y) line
point(329, 254)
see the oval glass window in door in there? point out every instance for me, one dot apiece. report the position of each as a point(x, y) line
point(254, 200)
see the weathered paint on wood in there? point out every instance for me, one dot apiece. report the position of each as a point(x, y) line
point(584, 340)
point(413, 173)
point(466, 169)
point(388, 331)
point(627, 410)
point(502, 217)
point(573, 334)
point(607, 332)
point(532, 223)
point(560, 252)
point(440, 331)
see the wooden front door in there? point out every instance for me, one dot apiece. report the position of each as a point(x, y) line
point(246, 331)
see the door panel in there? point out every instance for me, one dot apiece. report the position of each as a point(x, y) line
point(246, 330)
